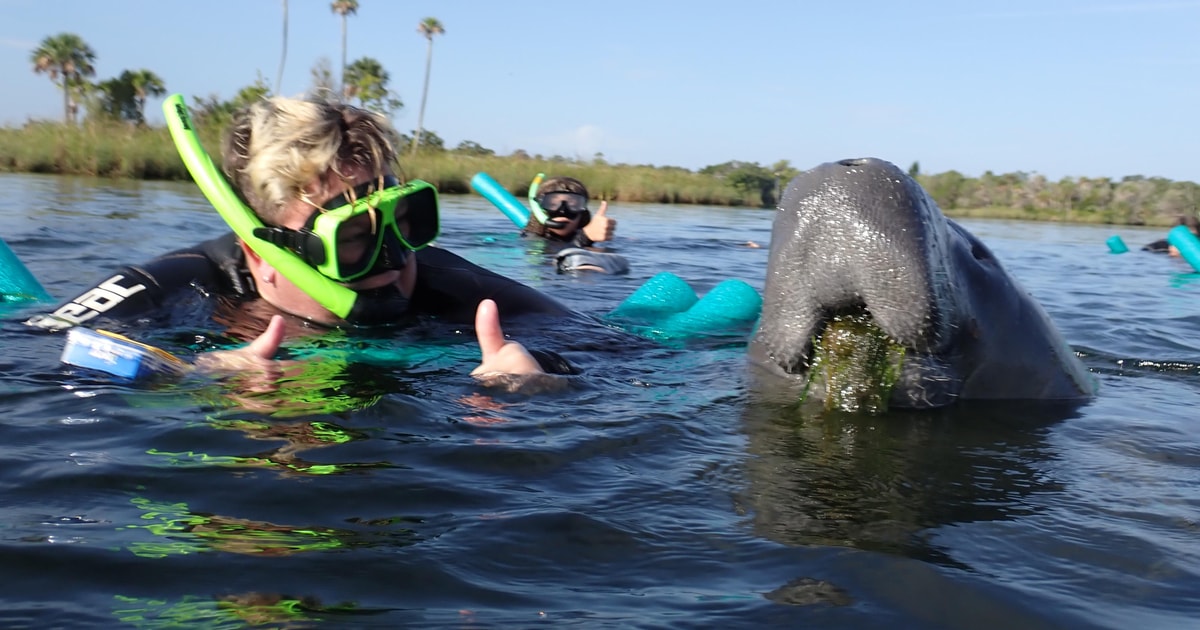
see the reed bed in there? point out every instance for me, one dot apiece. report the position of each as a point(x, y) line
point(121, 150)
point(104, 150)
point(452, 172)
point(124, 151)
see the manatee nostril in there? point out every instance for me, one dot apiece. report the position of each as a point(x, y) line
point(853, 162)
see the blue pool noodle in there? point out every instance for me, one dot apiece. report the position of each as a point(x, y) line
point(502, 199)
point(1116, 245)
point(17, 284)
point(1187, 244)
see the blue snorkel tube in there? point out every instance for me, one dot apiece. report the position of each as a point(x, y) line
point(337, 298)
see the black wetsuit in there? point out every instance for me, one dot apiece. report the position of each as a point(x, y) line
point(579, 239)
point(1160, 246)
point(577, 253)
point(448, 287)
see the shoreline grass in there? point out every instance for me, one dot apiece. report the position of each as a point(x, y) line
point(119, 150)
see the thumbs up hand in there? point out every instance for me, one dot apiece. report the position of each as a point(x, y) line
point(601, 227)
point(500, 356)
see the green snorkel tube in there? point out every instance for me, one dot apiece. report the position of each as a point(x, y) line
point(333, 296)
point(534, 206)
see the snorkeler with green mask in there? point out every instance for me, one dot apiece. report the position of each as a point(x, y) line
point(324, 234)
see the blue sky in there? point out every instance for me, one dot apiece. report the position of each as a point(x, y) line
point(1065, 88)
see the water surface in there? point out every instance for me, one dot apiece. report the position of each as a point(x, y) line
point(381, 487)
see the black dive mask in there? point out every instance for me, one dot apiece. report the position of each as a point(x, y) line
point(563, 204)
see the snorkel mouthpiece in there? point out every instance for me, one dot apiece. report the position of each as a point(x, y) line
point(375, 307)
point(557, 223)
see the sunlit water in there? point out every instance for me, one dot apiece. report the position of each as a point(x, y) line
point(381, 487)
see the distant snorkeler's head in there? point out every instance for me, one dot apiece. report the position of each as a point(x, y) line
point(563, 200)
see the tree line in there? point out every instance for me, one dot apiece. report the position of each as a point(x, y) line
point(1130, 200)
point(69, 61)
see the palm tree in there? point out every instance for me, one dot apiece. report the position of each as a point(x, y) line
point(428, 28)
point(283, 55)
point(367, 81)
point(67, 59)
point(344, 8)
point(145, 83)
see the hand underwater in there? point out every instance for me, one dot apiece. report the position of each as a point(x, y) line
point(257, 355)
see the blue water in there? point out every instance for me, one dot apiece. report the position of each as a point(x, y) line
point(386, 489)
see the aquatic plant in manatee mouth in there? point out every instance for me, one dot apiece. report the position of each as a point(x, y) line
point(893, 305)
point(855, 364)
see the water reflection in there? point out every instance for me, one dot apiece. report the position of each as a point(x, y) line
point(297, 437)
point(880, 482)
point(275, 610)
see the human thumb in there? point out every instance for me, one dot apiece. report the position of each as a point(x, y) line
point(267, 344)
point(603, 208)
point(487, 329)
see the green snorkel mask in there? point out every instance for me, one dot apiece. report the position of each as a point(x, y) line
point(372, 228)
point(340, 300)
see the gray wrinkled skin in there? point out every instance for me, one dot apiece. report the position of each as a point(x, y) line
point(862, 234)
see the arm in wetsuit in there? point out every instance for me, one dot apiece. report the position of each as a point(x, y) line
point(450, 286)
point(138, 290)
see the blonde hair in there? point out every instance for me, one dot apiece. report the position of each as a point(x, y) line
point(280, 145)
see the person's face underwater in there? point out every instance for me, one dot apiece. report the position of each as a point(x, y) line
point(387, 283)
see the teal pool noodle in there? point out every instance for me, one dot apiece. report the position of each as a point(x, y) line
point(664, 294)
point(730, 304)
point(1187, 244)
point(16, 283)
point(1116, 245)
point(666, 307)
point(502, 199)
